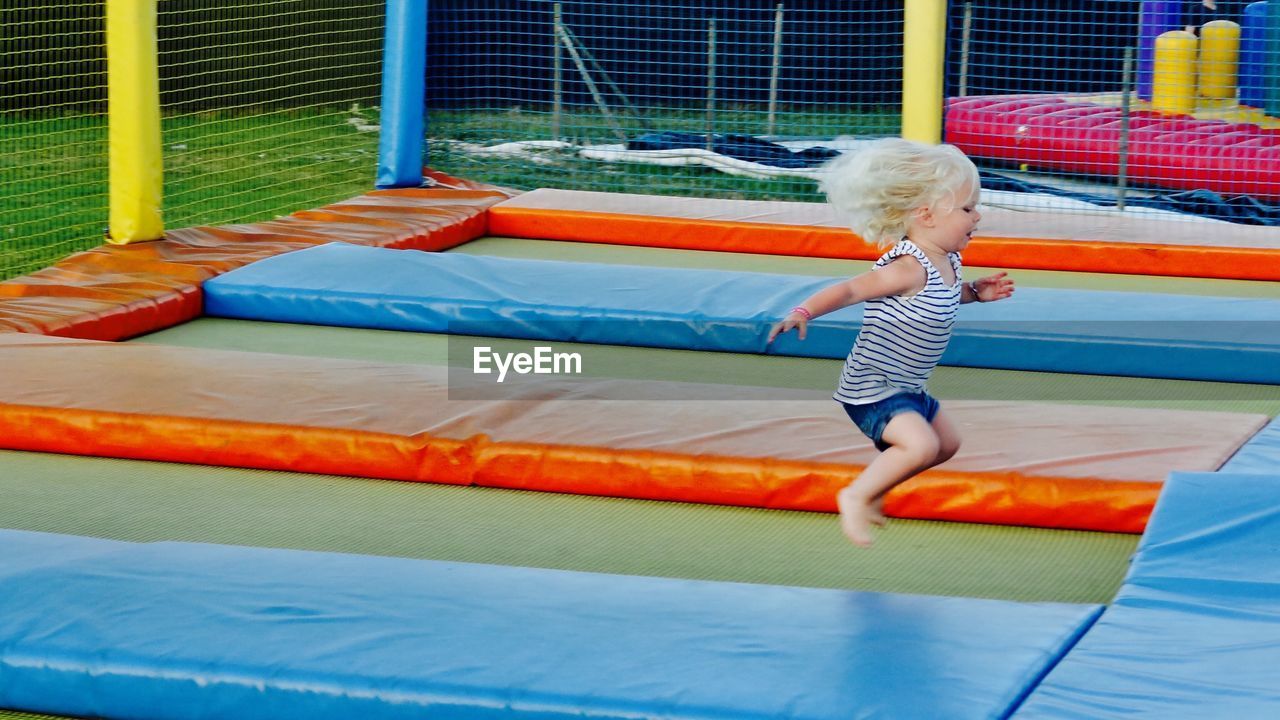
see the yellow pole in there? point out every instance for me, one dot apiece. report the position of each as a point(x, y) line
point(924, 40)
point(133, 107)
point(1219, 59)
point(1173, 78)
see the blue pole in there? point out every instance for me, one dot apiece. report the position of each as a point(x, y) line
point(1272, 69)
point(401, 148)
point(1253, 56)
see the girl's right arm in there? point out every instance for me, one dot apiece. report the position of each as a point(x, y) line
point(900, 277)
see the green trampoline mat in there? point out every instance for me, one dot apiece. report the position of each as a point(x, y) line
point(148, 501)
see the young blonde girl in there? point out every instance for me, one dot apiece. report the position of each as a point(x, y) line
point(920, 202)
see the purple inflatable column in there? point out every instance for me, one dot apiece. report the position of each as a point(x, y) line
point(1157, 16)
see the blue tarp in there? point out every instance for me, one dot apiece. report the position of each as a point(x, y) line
point(1195, 630)
point(181, 630)
point(741, 147)
point(1078, 331)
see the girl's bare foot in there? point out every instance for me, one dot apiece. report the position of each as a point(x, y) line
point(877, 516)
point(855, 518)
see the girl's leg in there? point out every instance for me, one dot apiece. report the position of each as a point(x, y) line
point(913, 446)
point(948, 445)
point(948, 437)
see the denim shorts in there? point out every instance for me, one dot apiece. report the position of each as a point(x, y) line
point(872, 418)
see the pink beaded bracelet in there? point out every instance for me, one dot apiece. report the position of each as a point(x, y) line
point(803, 311)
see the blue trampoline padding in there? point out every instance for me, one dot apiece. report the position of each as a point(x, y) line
point(1195, 629)
point(25, 551)
point(179, 630)
point(1209, 531)
point(1113, 333)
point(1261, 455)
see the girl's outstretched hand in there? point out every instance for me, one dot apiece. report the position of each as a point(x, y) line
point(793, 320)
point(993, 287)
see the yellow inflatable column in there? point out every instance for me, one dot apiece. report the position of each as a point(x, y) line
point(1173, 81)
point(924, 41)
point(1219, 59)
point(133, 106)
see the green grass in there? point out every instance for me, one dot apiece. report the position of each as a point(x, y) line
point(566, 171)
point(256, 164)
point(251, 165)
point(220, 167)
point(455, 134)
point(588, 126)
point(225, 167)
point(53, 188)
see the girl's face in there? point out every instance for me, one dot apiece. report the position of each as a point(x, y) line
point(950, 226)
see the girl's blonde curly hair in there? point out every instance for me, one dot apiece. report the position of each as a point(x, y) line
point(876, 188)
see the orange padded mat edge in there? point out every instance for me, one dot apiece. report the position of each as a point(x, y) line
point(760, 227)
point(114, 292)
point(996, 498)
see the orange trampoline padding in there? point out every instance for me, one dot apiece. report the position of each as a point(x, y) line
point(1027, 464)
point(1005, 238)
point(114, 292)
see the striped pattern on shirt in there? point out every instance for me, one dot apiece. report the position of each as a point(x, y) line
point(902, 337)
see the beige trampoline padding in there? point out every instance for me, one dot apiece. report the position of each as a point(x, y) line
point(667, 417)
